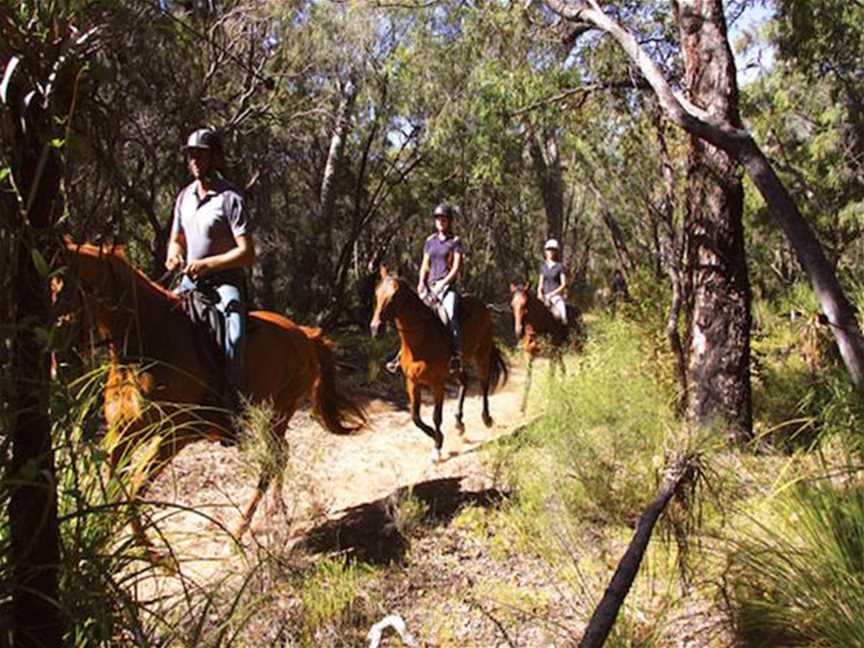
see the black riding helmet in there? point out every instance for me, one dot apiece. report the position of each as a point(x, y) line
point(443, 210)
point(204, 138)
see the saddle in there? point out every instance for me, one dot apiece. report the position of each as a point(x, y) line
point(437, 307)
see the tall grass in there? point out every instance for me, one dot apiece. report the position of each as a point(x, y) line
point(603, 435)
point(583, 471)
point(110, 594)
point(797, 577)
point(802, 394)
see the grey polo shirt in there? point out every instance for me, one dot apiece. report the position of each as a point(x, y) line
point(211, 224)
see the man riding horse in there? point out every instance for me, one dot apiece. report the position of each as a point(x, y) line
point(211, 243)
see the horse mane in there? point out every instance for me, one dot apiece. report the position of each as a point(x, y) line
point(116, 256)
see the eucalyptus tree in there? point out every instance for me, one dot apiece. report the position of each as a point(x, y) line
point(43, 54)
point(725, 134)
point(323, 161)
point(493, 134)
point(807, 110)
point(824, 39)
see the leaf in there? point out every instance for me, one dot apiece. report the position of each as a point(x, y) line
point(40, 263)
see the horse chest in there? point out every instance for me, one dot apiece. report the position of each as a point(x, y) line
point(126, 393)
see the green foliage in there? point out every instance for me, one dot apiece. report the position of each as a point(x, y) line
point(796, 577)
point(801, 391)
point(330, 591)
point(409, 513)
point(603, 434)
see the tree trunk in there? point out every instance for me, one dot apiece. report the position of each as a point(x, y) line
point(719, 358)
point(606, 612)
point(34, 528)
point(336, 153)
point(737, 142)
point(547, 172)
point(672, 246)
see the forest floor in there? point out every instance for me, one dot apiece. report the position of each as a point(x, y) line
point(347, 495)
point(339, 492)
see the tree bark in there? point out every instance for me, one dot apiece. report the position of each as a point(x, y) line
point(719, 357)
point(547, 173)
point(606, 612)
point(327, 197)
point(738, 142)
point(34, 527)
point(672, 246)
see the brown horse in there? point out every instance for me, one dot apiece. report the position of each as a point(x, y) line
point(425, 350)
point(539, 331)
point(159, 379)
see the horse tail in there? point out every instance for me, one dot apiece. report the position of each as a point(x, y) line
point(339, 413)
point(499, 370)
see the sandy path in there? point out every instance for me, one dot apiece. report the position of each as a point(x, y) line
point(207, 484)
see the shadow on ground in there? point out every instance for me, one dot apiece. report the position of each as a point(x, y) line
point(368, 532)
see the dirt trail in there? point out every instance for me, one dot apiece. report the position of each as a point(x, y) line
point(328, 474)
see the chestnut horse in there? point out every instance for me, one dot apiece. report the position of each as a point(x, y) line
point(425, 350)
point(539, 332)
point(159, 382)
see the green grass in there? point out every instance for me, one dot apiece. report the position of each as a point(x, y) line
point(796, 576)
point(603, 435)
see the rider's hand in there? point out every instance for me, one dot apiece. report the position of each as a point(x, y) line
point(199, 268)
point(421, 290)
point(439, 287)
point(174, 262)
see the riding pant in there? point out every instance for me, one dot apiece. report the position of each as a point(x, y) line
point(450, 301)
point(558, 307)
point(233, 310)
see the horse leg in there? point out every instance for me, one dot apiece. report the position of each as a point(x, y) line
point(276, 470)
point(487, 417)
point(528, 372)
point(484, 374)
point(246, 519)
point(415, 394)
point(463, 387)
point(438, 412)
point(154, 464)
point(120, 452)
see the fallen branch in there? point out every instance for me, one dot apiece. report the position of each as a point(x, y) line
point(607, 611)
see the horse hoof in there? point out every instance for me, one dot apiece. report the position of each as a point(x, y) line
point(460, 427)
point(487, 421)
point(436, 455)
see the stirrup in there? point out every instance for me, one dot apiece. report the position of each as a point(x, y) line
point(455, 364)
point(393, 366)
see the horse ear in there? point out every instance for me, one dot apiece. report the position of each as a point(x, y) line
point(513, 287)
point(382, 271)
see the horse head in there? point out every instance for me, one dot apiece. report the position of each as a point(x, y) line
point(519, 305)
point(99, 282)
point(93, 269)
point(386, 295)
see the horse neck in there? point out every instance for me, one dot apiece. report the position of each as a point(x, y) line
point(538, 314)
point(138, 303)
